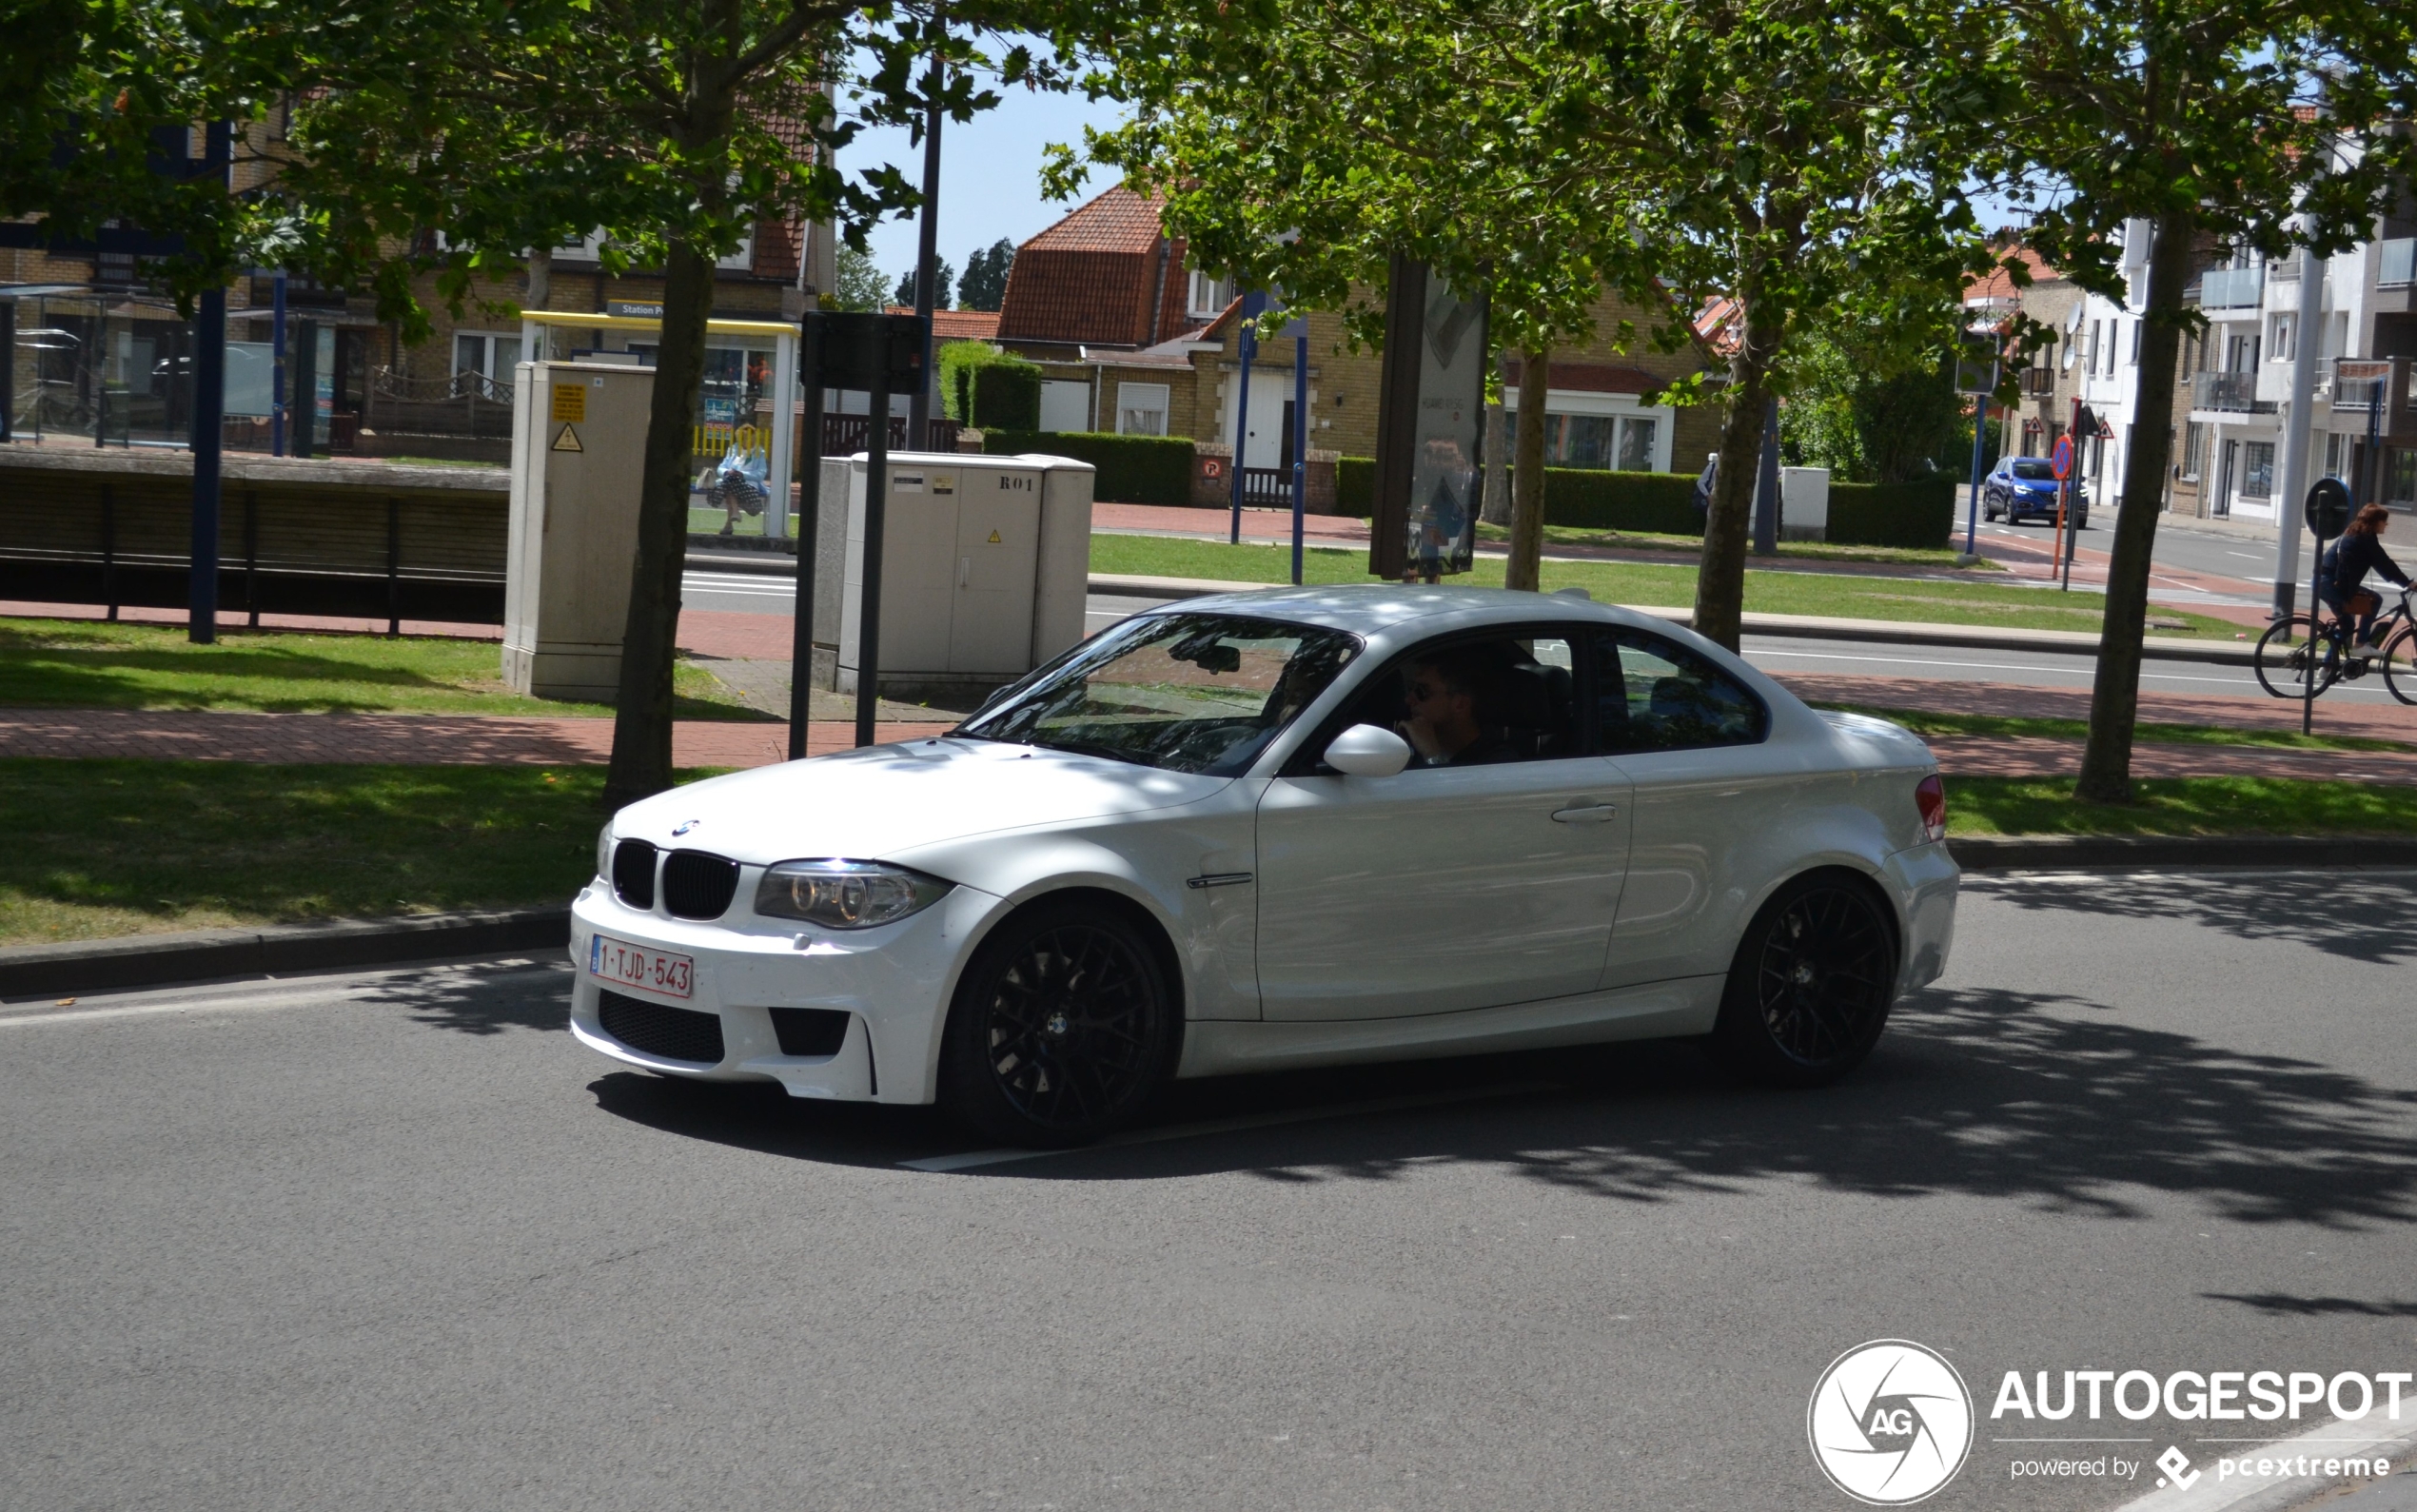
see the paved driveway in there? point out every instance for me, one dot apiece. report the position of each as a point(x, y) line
point(395, 1240)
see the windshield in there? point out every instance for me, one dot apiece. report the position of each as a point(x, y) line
point(2030, 469)
point(1189, 692)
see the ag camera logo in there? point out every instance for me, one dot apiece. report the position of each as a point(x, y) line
point(1890, 1422)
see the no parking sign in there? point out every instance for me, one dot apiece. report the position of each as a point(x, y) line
point(2060, 457)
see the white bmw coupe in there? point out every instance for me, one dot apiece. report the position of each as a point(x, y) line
point(1283, 828)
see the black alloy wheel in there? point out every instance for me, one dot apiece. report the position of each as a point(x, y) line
point(1809, 990)
point(1061, 1030)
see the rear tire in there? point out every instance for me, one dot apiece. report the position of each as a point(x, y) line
point(1811, 986)
point(1062, 1029)
point(2285, 655)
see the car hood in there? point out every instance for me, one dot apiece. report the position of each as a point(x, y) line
point(883, 800)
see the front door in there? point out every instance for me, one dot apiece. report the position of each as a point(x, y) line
point(1479, 877)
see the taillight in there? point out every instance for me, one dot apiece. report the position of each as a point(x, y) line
point(1930, 797)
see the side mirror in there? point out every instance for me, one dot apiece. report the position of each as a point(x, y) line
point(1368, 750)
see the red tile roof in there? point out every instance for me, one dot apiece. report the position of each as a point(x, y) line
point(1092, 278)
point(957, 325)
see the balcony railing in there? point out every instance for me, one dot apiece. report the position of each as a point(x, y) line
point(2231, 391)
point(2361, 384)
point(2225, 288)
point(2398, 267)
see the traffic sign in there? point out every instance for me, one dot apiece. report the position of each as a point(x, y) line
point(2328, 508)
point(2060, 457)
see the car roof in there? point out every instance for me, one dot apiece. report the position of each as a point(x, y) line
point(1375, 609)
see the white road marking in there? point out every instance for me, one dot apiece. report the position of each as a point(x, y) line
point(971, 1159)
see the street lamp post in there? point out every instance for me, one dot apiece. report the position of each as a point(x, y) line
point(927, 251)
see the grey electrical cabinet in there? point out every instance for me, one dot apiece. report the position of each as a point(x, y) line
point(986, 562)
point(579, 439)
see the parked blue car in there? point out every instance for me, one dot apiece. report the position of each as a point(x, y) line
point(2020, 488)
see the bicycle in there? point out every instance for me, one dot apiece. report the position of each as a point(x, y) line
point(2301, 647)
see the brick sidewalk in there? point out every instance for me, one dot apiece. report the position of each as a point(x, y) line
point(2014, 700)
point(458, 740)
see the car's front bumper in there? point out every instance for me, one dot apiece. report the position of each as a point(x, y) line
point(894, 982)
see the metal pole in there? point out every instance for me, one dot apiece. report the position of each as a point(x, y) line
point(1251, 306)
point(926, 249)
point(8, 369)
point(1300, 444)
point(809, 534)
point(876, 488)
point(2064, 499)
point(2296, 430)
point(1972, 505)
point(277, 361)
point(210, 422)
point(2308, 689)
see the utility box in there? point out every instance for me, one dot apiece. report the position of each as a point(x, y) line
point(986, 564)
point(578, 443)
point(1804, 503)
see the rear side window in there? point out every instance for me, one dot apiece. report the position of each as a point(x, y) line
point(1655, 694)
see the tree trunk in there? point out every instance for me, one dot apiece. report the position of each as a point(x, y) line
point(1720, 608)
point(1527, 475)
point(541, 289)
point(1497, 508)
point(2114, 700)
point(642, 716)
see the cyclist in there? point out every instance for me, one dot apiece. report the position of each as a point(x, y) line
point(2341, 577)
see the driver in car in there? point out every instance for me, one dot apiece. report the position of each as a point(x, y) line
point(1443, 728)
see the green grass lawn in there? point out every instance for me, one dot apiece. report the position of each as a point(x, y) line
point(1692, 546)
point(1840, 594)
point(2180, 806)
point(106, 847)
point(89, 664)
point(111, 848)
point(1928, 722)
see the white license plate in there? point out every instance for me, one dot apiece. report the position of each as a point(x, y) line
point(626, 964)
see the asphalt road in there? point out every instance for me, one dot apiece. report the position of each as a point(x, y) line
point(397, 1240)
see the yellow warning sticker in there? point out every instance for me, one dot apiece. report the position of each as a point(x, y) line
point(570, 407)
point(994, 537)
point(568, 440)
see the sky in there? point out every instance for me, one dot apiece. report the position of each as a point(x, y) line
point(990, 175)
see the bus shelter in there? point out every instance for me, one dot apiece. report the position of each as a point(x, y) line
point(723, 418)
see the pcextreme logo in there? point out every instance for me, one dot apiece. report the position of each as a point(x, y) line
point(1890, 1422)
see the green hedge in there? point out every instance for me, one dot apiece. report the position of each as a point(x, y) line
point(981, 386)
point(1919, 514)
point(1133, 469)
point(1585, 497)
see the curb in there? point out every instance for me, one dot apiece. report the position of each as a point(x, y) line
point(50, 971)
point(760, 564)
point(2060, 853)
point(1810, 627)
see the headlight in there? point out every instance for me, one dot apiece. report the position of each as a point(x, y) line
point(846, 894)
point(604, 850)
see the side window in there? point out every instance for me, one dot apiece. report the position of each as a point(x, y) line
point(1655, 694)
point(1477, 701)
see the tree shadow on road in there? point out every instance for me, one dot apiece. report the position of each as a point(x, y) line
point(2349, 914)
point(2034, 1098)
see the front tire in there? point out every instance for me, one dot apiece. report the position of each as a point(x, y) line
point(1061, 1031)
point(1810, 989)
point(2400, 665)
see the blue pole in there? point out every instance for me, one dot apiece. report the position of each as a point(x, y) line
point(277, 357)
point(1972, 506)
point(1253, 305)
point(209, 422)
point(1300, 443)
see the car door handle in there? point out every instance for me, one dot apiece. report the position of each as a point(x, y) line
point(1588, 814)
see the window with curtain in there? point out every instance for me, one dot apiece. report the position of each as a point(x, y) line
point(2257, 470)
point(1141, 409)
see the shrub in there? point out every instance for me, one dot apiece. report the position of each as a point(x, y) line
point(982, 386)
point(1133, 469)
point(1587, 498)
point(1918, 514)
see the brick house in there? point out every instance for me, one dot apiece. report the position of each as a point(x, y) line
point(1134, 339)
